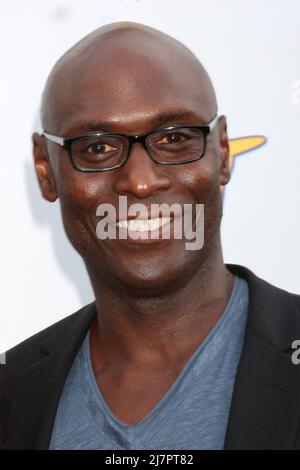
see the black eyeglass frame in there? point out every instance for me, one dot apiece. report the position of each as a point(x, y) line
point(66, 143)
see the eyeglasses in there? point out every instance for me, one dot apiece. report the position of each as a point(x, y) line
point(104, 151)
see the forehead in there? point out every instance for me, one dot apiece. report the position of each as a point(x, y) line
point(128, 88)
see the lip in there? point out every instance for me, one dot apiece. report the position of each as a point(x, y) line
point(145, 225)
point(144, 235)
point(148, 214)
point(159, 235)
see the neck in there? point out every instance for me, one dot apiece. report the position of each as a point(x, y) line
point(134, 329)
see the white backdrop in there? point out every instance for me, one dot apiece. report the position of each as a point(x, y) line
point(251, 49)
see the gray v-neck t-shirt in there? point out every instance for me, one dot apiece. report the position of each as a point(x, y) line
point(193, 414)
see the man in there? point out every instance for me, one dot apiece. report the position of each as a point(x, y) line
point(179, 350)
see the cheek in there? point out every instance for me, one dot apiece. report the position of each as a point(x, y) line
point(202, 181)
point(80, 194)
point(202, 178)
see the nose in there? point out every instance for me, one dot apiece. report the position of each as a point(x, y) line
point(140, 176)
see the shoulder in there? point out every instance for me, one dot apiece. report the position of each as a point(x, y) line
point(273, 312)
point(24, 353)
point(262, 286)
point(32, 365)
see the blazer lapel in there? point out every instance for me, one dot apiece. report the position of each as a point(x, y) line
point(265, 408)
point(39, 385)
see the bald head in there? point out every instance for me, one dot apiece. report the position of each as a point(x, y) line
point(117, 62)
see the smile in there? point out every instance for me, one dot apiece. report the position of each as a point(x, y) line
point(143, 225)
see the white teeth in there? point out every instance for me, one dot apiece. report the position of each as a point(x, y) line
point(143, 225)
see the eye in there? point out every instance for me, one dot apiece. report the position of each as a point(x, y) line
point(100, 148)
point(173, 138)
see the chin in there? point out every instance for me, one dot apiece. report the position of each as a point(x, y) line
point(156, 278)
point(148, 286)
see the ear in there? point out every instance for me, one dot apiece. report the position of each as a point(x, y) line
point(225, 151)
point(43, 168)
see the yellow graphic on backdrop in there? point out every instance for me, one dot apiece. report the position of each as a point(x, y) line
point(242, 145)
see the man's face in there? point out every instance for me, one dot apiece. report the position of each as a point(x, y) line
point(133, 94)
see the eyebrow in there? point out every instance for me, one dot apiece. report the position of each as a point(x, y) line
point(155, 121)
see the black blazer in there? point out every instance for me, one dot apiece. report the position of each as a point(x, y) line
point(265, 408)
